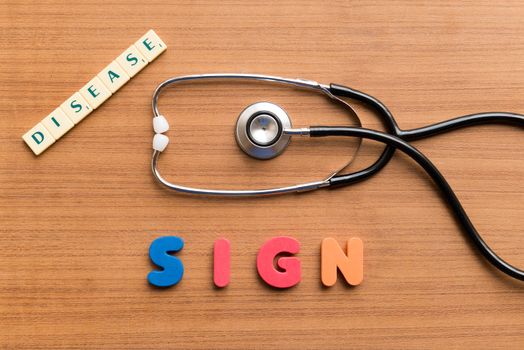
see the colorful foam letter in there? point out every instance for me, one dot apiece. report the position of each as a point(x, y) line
point(172, 267)
point(221, 262)
point(289, 273)
point(333, 258)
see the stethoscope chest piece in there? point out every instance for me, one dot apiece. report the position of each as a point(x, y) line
point(260, 130)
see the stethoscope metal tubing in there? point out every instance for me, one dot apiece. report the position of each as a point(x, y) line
point(309, 84)
point(301, 83)
point(310, 186)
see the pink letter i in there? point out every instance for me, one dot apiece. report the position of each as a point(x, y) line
point(221, 262)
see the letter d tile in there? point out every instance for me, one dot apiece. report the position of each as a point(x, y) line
point(38, 139)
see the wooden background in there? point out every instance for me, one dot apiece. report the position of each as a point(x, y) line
point(76, 222)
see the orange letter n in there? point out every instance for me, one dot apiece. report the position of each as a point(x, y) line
point(333, 258)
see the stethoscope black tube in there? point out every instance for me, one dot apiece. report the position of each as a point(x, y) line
point(386, 118)
point(410, 135)
point(461, 215)
point(461, 122)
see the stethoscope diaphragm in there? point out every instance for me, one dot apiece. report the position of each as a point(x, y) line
point(260, 130)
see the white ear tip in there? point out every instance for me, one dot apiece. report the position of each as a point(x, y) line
point(160, 142)
point(160, 124)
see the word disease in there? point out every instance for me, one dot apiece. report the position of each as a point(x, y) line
point(276, 263)
point(93, 94)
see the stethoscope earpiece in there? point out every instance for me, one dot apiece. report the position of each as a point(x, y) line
point(160, 125)
point(160, 142)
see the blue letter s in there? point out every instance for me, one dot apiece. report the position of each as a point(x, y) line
point(172, 268)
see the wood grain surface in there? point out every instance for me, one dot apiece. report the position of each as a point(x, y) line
point(76, 222)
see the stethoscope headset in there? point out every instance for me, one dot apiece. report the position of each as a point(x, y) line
point(263, 131)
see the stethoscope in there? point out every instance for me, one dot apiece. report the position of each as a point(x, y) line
point(263, 131)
